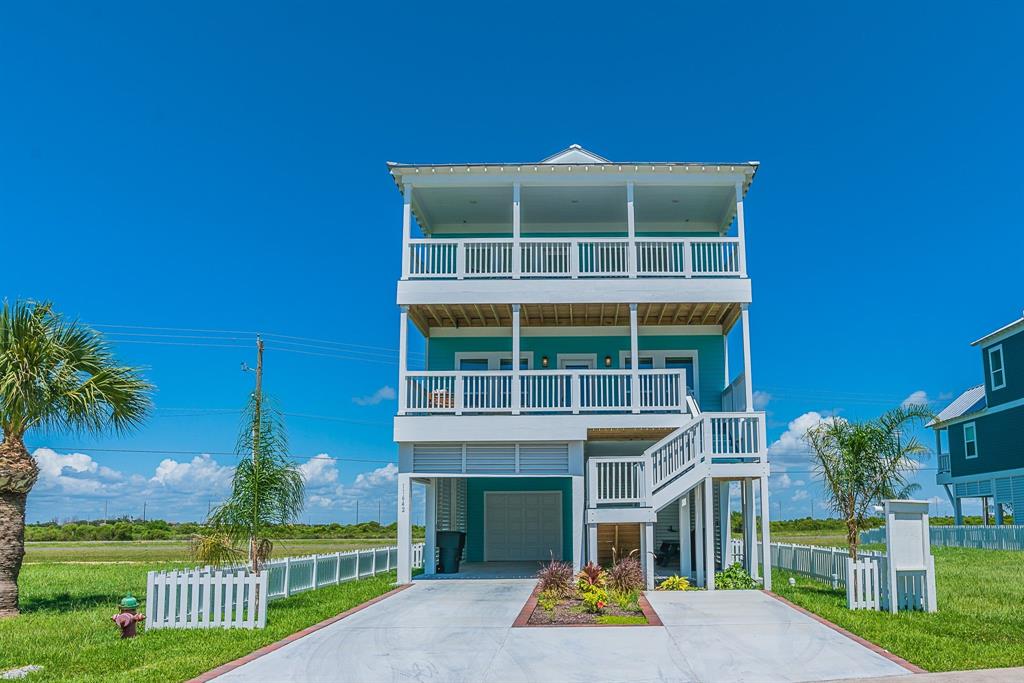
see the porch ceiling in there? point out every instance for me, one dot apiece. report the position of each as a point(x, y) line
point(628, 433)
point(426, 316)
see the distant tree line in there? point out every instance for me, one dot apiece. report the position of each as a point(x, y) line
point(127, 529)
point(827, 524)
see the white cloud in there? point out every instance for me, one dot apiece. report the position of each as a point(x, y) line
point(320, 502)
point(73, 473)
point(318, 471)
point(917, 398)
point(203, 473)
point(385, 393)
point(800, 495)
point(791, 442)
point(782, 481)
point(761, 400)
point(799, 482)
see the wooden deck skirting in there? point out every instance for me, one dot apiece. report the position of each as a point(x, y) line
point(523, 619)
point(877, 649)
point(267, 649)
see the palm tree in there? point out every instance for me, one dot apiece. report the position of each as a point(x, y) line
point(267, 490)
point(862, 463)
point(55, 375)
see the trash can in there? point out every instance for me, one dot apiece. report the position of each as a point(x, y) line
point(450, 545)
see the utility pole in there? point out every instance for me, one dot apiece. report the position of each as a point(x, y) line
point(357, 511)
point(378, 512)
point(143, 511)
point(257, 410)
point(105, 511)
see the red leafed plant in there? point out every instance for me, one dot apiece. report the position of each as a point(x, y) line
point(556, 577)
point(591, 576)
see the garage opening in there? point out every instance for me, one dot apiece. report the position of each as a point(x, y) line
point(522, 526)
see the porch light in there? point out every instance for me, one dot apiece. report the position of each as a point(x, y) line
point(543, 361)
point(607, 361)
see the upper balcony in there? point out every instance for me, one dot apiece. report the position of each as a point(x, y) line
point(577, 219)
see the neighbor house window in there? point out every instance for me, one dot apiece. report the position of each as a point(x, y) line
point(996, 371)
point(943, 442)
point(970, 441)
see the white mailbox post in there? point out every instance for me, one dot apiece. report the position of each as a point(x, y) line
point(911, 567)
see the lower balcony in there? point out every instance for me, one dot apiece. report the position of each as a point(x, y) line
point(544, 392)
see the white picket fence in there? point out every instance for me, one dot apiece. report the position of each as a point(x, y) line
point(1002, 537)
point(212, 597)
point(865, 591)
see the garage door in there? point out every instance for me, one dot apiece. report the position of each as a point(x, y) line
point(522, 525)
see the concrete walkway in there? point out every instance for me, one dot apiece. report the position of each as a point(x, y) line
point(461, 631)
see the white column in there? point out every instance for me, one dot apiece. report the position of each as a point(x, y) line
point(647, 551)
point(741, 256)
point(517, 389)
point(725, 527)
point(766, 535)
point(403, 362)
point(430, 524)
point(406, 227)
point(748, 380)
point(749, 528)
point(578, 513)
point(517, 258)
point(404, 528)
point(698, 511)
point(709, 533)
point(684, 536)
point(631, 228)
point(634, 359)
point(592, 543)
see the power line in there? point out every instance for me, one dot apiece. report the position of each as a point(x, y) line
point(163, 451)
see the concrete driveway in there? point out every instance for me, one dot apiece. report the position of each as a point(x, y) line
point(461, 631)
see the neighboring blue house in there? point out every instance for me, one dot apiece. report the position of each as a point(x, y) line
point(978, 436)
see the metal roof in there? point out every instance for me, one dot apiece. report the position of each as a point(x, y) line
point(971, 401)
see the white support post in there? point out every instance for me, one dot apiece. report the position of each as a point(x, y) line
point(429, 547)
point(647, 550)
point(631, 228)
point(406, 227)
point(741, 253)
point(725, 524)
point(404, 528)
point(748, 380)
point(592, 543)
point(709, 533)
point(766, 535)
point(684, 536)
point(749, 528)
point(698, 511)
point(958, 512)
point(578, 513)
point(517, 256)
point(517, 388)
point(634, 359)
point(403, 363)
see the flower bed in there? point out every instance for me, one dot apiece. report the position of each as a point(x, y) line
point(594, 597)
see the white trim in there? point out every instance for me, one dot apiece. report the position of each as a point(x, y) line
point(493, 358)
point(659, 357)
point(1002, 367)
point(562, 358)
point(974, 428)
point(1002, 333)
point(582, 331)
point(561, 518)
point(503, 175)
point(984, 476)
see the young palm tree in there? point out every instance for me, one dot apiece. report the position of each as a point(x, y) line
point(267, 490)
point(55, 375)
point(862, 463)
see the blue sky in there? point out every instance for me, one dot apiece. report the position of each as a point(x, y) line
point(221, 166)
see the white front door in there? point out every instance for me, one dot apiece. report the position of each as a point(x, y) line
point(522, 525)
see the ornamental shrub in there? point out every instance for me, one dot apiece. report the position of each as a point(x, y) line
point(591, 576)
point(595, 599)
point(674, 583)
point(556, 578)
point(734, 578)
point(627, 575)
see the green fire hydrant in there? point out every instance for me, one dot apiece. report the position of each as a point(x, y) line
point(127, 616)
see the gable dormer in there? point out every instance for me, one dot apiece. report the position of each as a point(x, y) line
point(574, 154)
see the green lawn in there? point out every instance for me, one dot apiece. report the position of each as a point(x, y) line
point(177, 551)
point(829, 538)
point(65, 625)
point(980, 622)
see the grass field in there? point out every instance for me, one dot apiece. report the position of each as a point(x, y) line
point(65, 625)
point(980, 623)
point(176, 551)
point(830, 538)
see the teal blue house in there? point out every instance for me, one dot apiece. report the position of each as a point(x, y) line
point(980, 435)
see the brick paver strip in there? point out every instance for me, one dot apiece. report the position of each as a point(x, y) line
point(878, 650)
point(267, 649)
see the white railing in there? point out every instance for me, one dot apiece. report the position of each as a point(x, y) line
point(224, 597)
point(676, 453)
point(206, 598)
point(1000, 537)
point(617, 480)
point(736, 435)
point(574, 257)
point(944, 463)
point(734, 396)
point(544, 391)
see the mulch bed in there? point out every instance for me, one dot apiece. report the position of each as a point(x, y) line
point(569, 612)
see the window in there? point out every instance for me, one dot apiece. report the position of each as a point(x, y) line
point(943, 442)
point(970, 441)
point(996, 371)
